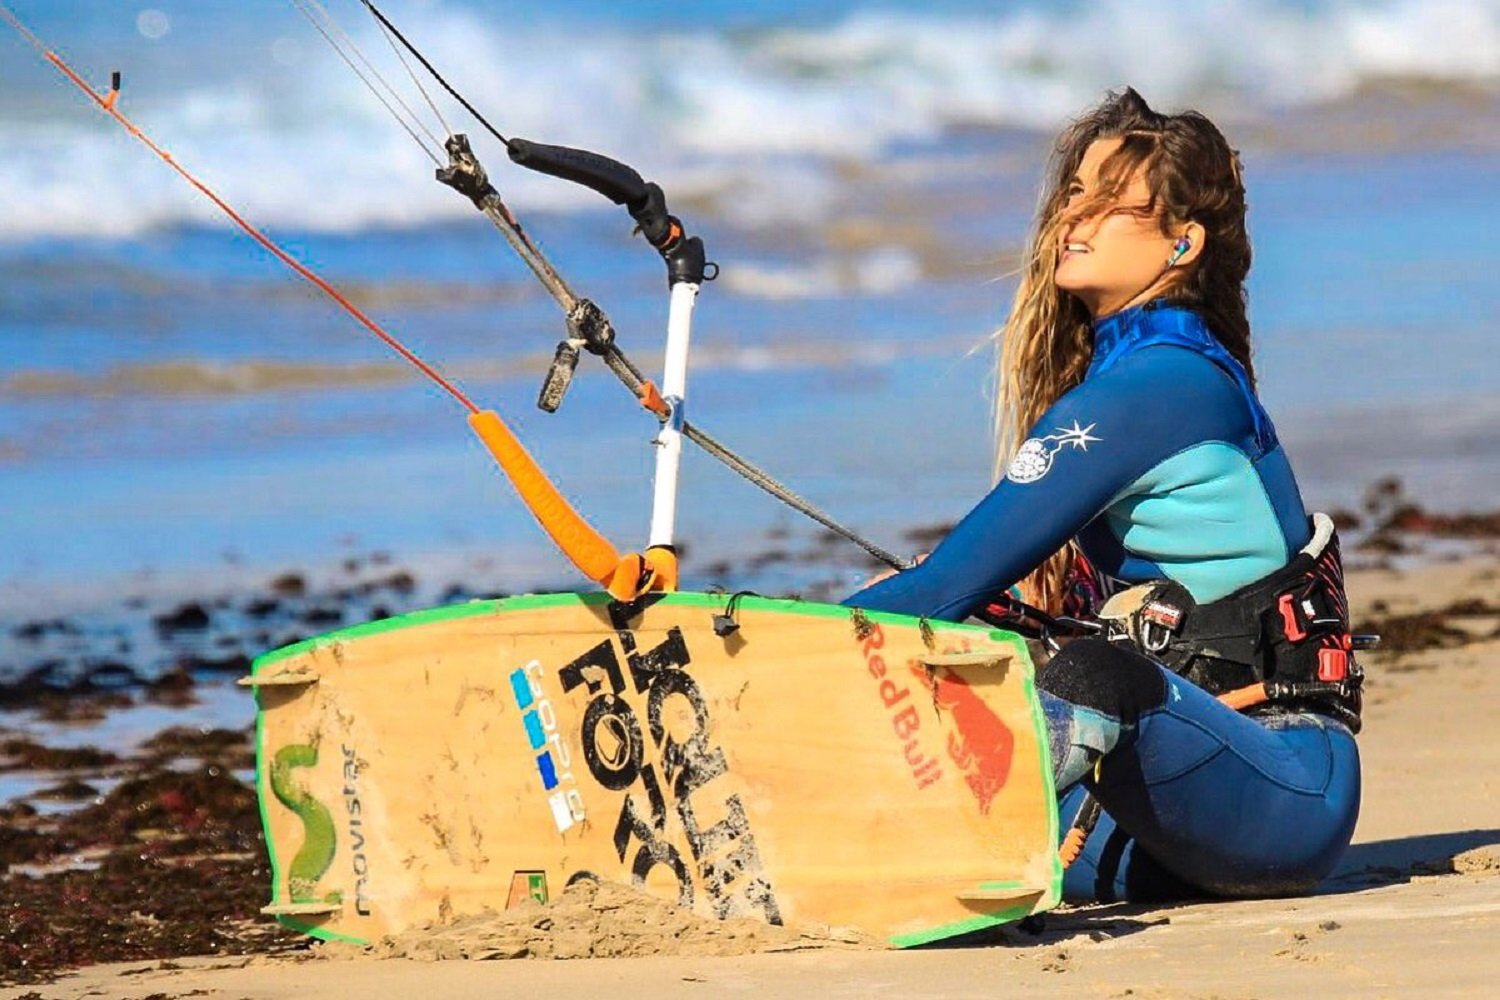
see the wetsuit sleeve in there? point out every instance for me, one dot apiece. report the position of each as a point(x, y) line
point(1082, 455)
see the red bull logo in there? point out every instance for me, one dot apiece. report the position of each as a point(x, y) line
point(980, 745)
point(905, 722)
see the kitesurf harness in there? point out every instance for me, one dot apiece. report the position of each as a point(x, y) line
point(1280, 643)
point(1283, 640)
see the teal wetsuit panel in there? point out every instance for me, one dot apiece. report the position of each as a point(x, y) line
point(1161, 463)
point(1205, 500)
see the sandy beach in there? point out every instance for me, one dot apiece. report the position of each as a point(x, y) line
point(1412, 910)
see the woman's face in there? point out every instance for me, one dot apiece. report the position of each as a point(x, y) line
point(1118, 255)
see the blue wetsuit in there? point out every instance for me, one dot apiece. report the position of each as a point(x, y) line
point(1163, 464)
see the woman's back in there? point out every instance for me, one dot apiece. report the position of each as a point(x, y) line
point(1209, 499)
point(1161, 462)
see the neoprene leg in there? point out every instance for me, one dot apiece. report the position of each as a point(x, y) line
point(1113, 866)
point(1219, 801)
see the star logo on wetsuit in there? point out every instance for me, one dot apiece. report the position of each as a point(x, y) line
point(1033, 459)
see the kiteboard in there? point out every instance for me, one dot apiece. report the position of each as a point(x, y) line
point(803, 763)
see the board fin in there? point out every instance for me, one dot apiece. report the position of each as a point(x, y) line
point(290, 677)
point(982, 659)
point(311, 909)
point(1004, 902)
point(995, 895)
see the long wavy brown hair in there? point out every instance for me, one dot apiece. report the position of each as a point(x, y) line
point(1045, 346)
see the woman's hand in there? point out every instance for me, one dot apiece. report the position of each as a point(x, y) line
point(886, 574)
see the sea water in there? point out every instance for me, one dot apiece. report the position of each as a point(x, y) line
point(176, 410)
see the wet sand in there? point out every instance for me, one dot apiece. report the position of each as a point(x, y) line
point(1413, 909)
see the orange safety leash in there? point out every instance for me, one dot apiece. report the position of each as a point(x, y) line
point(1246, 697)
point(590, 551)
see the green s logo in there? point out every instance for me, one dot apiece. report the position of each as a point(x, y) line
point(316, 855)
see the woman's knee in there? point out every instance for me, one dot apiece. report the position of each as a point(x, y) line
point(1107, 678)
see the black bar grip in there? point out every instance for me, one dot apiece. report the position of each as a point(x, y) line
point(623, 186)
point(611, 178)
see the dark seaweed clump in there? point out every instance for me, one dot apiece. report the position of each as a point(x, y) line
point(1444, 628)
point(79, 669)
point(169, 862)
point(1393, 522)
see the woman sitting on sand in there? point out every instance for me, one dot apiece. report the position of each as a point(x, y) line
point(1126, 379)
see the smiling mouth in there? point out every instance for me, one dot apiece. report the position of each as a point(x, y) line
point(1075, 248)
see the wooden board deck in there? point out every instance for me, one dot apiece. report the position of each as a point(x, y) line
point(809, 767)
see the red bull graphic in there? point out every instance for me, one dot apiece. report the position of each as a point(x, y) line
point(980, 745)
point(905, 722)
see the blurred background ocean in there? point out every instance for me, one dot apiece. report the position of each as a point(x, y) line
point(178, 414)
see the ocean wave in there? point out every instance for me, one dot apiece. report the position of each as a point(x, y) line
point(191, 379)
point(747, 116)
point(878, 272)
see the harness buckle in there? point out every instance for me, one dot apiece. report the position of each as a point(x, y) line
point(1333, 665)
point(1154, 636)
point(1286, 604)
